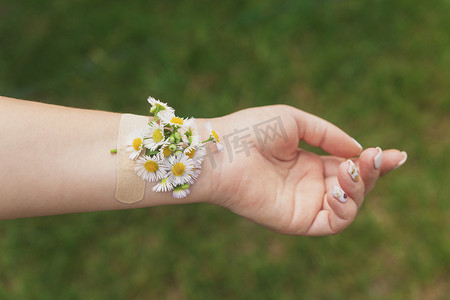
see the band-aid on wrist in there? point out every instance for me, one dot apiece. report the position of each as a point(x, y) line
point(167, 150)
point(129, 187)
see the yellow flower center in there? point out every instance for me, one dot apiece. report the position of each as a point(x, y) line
point(137, 143)
point(215, 135)
point(151, 166)
point(190, 153)
point(167, 152)
point(157, 135)
point(177, 121)
point(178, 169)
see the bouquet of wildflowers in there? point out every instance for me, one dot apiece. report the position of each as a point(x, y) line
point(169, 150)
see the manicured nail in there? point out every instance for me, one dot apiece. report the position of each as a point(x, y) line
point(400, 163)
point(353, 171)
point(339, 194)
point(378, 158)
point(358, 144)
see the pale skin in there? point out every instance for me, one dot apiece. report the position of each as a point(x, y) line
point(57, 160)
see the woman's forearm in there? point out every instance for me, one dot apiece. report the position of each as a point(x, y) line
point(56, 160)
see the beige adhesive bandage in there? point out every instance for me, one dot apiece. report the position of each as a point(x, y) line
point(162, 148)
point(129, 187)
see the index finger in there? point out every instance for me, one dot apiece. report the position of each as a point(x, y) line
point(321, 133)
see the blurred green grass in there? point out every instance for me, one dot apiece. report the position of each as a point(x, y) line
point(380, 70)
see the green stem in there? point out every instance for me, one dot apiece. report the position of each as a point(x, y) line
point(208, 140)
point(113, 151)
point(148, 152)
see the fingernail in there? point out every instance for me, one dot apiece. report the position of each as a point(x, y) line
point(353, 171)
point(378, 158)
point(400, 163)
point(358, 144)
point(339, 194)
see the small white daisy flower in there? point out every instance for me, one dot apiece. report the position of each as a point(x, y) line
point(163, 186)
point(180, 192)
point(151, 168)
point(181, 168)
point(196, 153)
point(171, 119)
point(215, 138)
point(154, 136)
point(161, 106)
point(165, 151)
point(135, 143)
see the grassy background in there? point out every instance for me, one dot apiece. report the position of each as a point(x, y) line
point(378, 69)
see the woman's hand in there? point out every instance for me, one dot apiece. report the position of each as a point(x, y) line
point(263, 175)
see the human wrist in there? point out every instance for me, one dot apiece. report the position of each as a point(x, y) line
point(165, 149)
point(208, 187)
